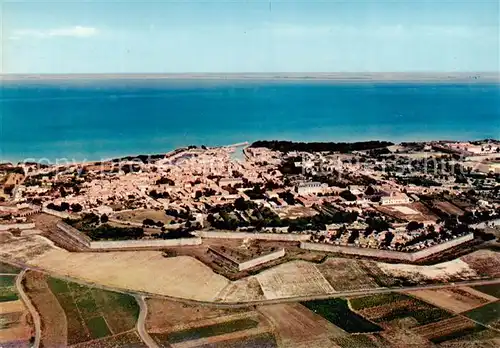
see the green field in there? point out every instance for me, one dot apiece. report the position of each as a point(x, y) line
point(266, 340)
point(491, 289)
point(337, 312)
point(488, 314)
point(94, 313)
point(98, 327)
point(458, 334)
point(359, 341)
point(375, 300)
point(6, 268)
point(211, 330)
point(401, 306)
point(8, 288)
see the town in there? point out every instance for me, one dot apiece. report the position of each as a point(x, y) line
point(398, 197)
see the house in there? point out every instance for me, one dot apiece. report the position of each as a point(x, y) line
point(395, 198)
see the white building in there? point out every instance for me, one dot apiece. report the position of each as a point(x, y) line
point(394, 199)
point(312, 187)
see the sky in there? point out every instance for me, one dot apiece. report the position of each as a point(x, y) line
point(249, 36)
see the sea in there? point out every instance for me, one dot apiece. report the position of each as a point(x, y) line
point(90, 120)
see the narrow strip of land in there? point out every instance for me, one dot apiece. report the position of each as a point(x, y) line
point(349, 293)
point(141, 323)
point(31, 308)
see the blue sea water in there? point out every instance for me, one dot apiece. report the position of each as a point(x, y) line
point(99, 119)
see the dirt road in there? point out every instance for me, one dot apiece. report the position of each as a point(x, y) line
point(141, 323)
point(31, 308)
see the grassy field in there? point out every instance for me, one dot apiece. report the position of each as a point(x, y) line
point(139, 215)
point(337, 312)
point(359, 341)
point(129, 339)
point(458, 334)
point(375, 300)
point(490, 289)
point(6, 268)
point(258, 341)
point(211, 330)
point(388, 307)
point(93, 313)
point(488, 314)
point(8, 288)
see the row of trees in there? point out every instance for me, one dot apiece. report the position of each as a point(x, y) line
point(286, 146)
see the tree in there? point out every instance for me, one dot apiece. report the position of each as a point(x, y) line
point(370, 191)
point(348, 195)
point(104, 218)
point(413, 226)
point(76, 208)
point(240, 204)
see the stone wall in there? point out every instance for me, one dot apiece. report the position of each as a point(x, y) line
point(138, 244)
point(388, 254)
point(59, 214)
point(262, 236)
point(74, 234)
point(27, 226)
point(261, 259)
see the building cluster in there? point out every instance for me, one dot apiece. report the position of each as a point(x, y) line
point(401, 197)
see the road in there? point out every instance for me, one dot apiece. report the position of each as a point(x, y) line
point(31, 308)
point(262, 302)
point(141, 325)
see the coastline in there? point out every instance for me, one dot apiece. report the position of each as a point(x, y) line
point(243, 144)
point(338, 77)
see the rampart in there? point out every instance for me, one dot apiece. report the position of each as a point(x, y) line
point(27, 226)
point(257, 236)
point(261, 259)
point(388, 254)
point(74, 234)
point(139, 244)
point(250, 263)
point(59, 214)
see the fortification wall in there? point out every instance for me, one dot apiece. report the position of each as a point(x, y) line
point(261, 259)
point(27, 226)
point(74, 234)
point(440, 247)
point(257, 236)
point(388, 254)
point(137, 244)
point(59, 214)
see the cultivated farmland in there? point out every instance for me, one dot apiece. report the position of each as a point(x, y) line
point(93, 313)
point(490, 289)
point(54, 326)
point(5, 268)
point(296, 325)
point(447, 329)
point(488, 315)
point(384, 309)
point(453, 299)
point(347, 274)
point(484, 262)
point(337, 311)
point(8, 288)
point(128, 339)
point(16, 328)
point(164, 315)
point(297, 278)
point(181, 325)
